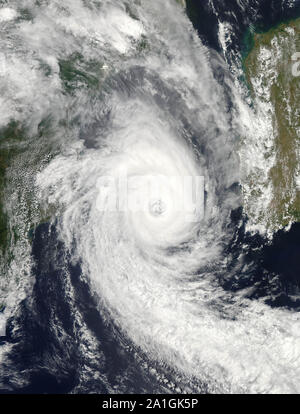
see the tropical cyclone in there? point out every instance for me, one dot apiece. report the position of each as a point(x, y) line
point(112, 89)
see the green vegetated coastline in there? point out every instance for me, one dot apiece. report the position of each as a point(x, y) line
point(21, 154)
point(268, 68)
point(16, 141)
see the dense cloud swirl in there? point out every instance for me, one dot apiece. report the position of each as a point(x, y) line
point(145, 129)
point(155, 270)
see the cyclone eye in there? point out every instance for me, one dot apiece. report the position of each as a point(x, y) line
point(157, 207)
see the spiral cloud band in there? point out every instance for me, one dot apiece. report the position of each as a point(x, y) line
point(153, 245)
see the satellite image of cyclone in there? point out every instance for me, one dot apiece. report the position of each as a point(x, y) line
point(149, 196)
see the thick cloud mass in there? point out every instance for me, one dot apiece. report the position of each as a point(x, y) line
point(166, 107)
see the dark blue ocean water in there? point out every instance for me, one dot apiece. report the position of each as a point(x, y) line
point(261, 14)
point(48, 356)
